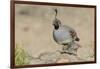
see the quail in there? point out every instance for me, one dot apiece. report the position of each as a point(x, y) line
point(65, 35)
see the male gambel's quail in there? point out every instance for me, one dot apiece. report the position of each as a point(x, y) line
point(66, 36)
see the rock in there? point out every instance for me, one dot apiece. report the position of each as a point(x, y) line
point(86, 53)
point(37, 61)
point(55, 57)
point(50, 57)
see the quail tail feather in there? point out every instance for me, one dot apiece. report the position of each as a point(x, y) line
point(77, 39)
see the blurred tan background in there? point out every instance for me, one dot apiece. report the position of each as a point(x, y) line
point(33, 28)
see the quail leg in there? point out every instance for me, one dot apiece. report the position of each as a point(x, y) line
point(65, 47)
point(71, 49)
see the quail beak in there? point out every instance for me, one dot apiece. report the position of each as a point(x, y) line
point(53, 24)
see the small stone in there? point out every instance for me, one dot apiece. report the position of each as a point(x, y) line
point(63, 60)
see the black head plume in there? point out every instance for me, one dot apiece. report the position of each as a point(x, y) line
point(56, 22)
point(55, 12)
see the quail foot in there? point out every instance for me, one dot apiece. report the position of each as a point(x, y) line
point(71, 49)
point(65, 35)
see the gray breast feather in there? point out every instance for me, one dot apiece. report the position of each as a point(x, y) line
point(62, 35)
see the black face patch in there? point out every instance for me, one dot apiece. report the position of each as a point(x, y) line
point(56, 25)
